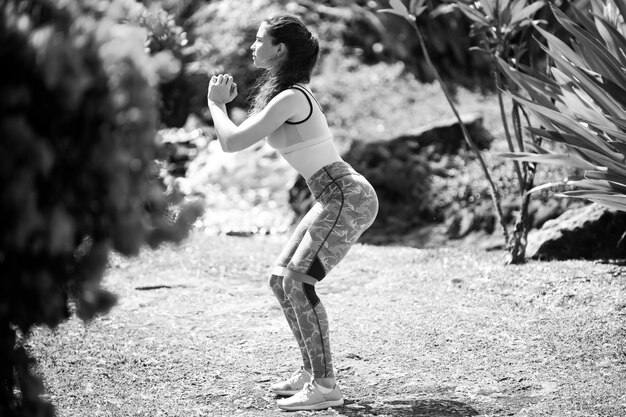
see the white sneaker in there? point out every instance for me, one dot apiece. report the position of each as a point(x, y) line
point(293, 385)
point(311, 398)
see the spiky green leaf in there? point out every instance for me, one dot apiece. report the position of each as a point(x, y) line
point(547, 186)
point(621, 123)
point(474, 15)
point(565, 138)
point(504, 15)
point(399, 7)
point(536, 148)
point(539, 91)
point(417, 7)
point(614, 39)
point(516, 7)
point(615, 201)
point(581, 80)
point(419, 10)
point(526, 12)
point(612, 132)
point(616, 91)
point(621, 6)
point(583, 17)
point(557, 46)
point(599, 186)
point(598, 65)
point(564, 123)
point(489, 8)
point(612, 161)
point(577, 106)
point(616, 181)
point(620, 146)
point(597, 57)
point(539, 76)
point(551, 159)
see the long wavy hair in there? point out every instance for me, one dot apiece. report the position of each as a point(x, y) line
point(302, 53)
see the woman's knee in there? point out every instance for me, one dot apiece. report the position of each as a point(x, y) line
point(293, 289)
point(276, 284)
point(300, 293)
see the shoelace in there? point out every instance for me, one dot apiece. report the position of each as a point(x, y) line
point(306, 391)
point(296, 376)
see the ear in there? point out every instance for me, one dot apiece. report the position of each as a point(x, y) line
point(282, 48)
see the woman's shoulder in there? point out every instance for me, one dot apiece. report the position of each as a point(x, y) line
point(288, 104)
point(286, 94)
point(292, 96)
point(295, 89)
point(292, 102)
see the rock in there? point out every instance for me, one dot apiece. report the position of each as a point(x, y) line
point(588, 232)
point(462, 224)
point(446, 136)
point(540, 212)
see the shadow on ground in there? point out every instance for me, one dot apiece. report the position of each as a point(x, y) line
point(417, 408)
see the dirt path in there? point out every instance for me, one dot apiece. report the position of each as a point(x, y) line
point(445, 332)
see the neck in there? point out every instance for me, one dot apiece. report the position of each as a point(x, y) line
point(273, 70)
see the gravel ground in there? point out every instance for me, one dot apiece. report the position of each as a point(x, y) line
point(415, 332)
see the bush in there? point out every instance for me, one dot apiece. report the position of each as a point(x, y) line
point(78, 178)
point(223, 32)
point(179, 86)
point(581, 104)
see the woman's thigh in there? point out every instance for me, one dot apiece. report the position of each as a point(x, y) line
point(296, 238)
point(334, 229)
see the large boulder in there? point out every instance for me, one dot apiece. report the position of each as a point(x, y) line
point(588, 232)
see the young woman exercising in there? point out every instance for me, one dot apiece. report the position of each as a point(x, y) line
point(286, 113)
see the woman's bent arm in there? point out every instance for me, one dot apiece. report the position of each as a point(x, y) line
point(224, 127)
point(235, 138)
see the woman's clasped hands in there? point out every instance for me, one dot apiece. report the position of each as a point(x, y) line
point(222, 89)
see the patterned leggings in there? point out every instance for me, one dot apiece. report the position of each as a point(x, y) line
point(346, 205)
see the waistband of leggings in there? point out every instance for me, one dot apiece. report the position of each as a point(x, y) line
point(319, 181)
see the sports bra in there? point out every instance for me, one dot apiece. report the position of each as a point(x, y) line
point(307, 145)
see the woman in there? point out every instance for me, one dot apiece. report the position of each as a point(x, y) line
point(286, 113)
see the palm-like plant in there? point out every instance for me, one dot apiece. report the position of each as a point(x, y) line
point(583, 104)
point(416, 8)
point(499, 26)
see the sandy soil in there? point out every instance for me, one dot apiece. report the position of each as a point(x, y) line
point(437, 332)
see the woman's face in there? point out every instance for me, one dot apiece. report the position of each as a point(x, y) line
point(264, 52)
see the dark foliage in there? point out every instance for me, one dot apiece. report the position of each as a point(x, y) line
point(78, 178)
point(166, 40)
